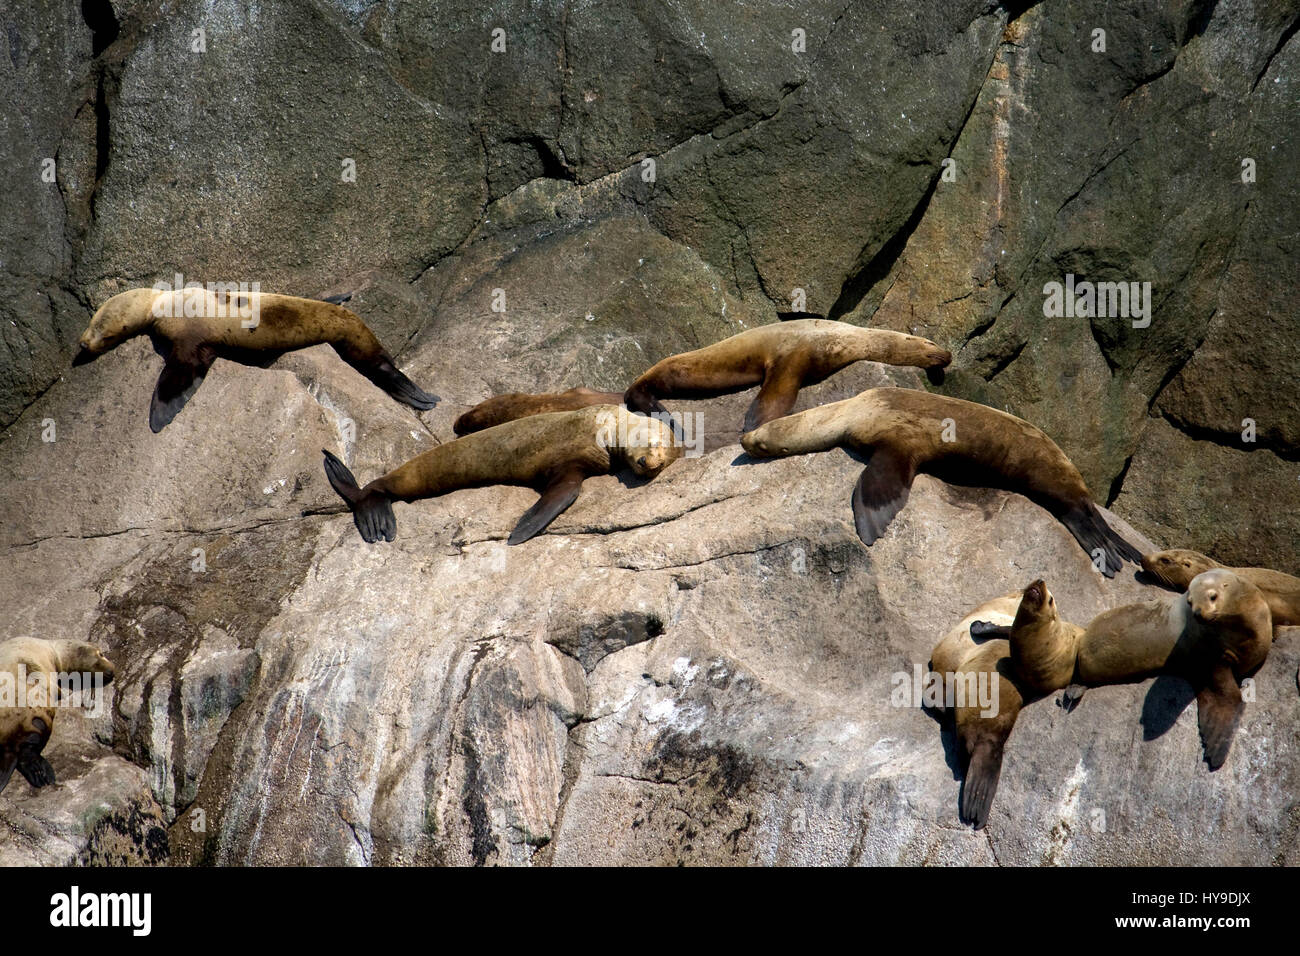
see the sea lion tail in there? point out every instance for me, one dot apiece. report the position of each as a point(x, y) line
point(1093, 533)
point(373, 512)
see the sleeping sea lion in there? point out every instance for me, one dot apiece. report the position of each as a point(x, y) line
point(192, 328)
point(553, 452)
point(782, 357)
point(906, 431)
point(506, 408)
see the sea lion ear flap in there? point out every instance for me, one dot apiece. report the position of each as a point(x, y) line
point(559, 494)
point(1218, 711)
point(881, 492)
point(181, 377)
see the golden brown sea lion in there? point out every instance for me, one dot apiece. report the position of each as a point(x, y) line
point(191, 328)
point(43, 669)
point(1176, 568)
point(1214, 636)
point(507, 408)
point(908, 431)
point(552, 452)
point(782, 357)
point(1018, 641)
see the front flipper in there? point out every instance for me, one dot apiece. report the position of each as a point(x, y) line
point(182, 374)
point(983, 629)
point(1071, 696)
point(1218, 708)
point(8, 761)
point(980, 784)
point(777, 396)
point(881, 492)
point(36, 770)
point(559, 494)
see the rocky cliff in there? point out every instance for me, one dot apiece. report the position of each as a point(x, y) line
point(697, 669)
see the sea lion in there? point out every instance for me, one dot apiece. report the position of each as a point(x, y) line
point(1214, 636)
point(908, 431)
point(191, 328)
point(1176, 568)
point(553, 452)
point(1020, 641)
point(782, 357)
point(24, 731)
point(507, 408)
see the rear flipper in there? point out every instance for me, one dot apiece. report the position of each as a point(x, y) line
point(1089, 528)
point(639, 398)
point(881, 492)
point(980, 785)
point(387, 376)
point(372, 512)
point(1219, 707)
point(983, 629)
point(559, 494)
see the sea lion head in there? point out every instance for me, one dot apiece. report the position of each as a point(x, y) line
point(122, 317)
point(1220, 596)
point(914, 350)
point(645, 443)
point(81, 657)
point(1176, 568)
point(1037, 606)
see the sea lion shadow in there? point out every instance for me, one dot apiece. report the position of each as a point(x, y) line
point(1167, 697)
point(947, 738)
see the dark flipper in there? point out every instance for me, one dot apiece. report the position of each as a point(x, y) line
point(373, 512)
point(881, 492)
point(559, 494)
point(8, 761)
point(1071, 697)
point(182, 374)
point(983, 629)
point(337, 299)
point(639, 398)
point(980, 785)
point(777, 396)
point(1219, 707)
point(387, 376)
point(36, 770)
point(1089, 528)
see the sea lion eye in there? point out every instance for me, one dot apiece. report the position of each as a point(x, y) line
point(641, 461)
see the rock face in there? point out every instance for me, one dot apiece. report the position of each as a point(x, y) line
point(696, 669)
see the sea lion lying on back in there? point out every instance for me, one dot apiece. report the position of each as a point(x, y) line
point(1177, 567)
point(782, 357)
point(1214, 636)
point(24, 731)
point(908, 431)
point(191, 328)
point(552, 452)
point(1019, 641)
point(507, 408)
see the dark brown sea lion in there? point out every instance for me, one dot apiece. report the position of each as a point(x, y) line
point(507, 408)
point(24, 731)
point(553, 452)
point(782, 357)
point(192, 328)
point(907, 431)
